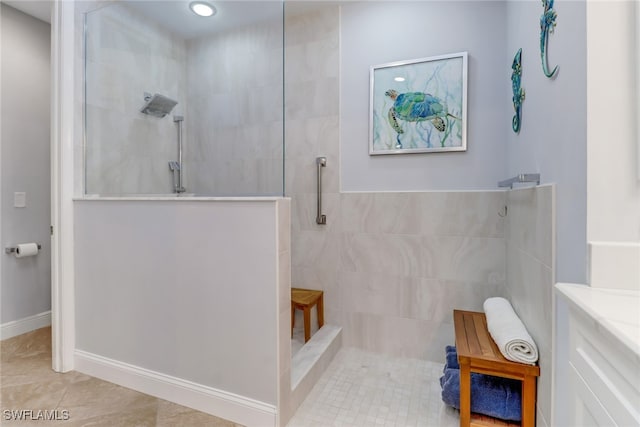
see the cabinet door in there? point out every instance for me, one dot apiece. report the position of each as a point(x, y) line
point(586, 411)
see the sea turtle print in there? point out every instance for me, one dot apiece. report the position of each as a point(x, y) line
point(415, 107)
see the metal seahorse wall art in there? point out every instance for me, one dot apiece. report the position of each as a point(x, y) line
point(518, 92)
point(547, 25)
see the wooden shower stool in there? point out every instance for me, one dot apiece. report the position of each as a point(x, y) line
point(477, 352)
point(305, 299)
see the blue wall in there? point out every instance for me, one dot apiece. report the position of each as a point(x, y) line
point(380, 32)
point(552, 140)
point(553, 137)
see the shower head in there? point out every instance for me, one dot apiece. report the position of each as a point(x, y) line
point(157, 105)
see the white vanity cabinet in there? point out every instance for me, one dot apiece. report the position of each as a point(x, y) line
point(603, 355)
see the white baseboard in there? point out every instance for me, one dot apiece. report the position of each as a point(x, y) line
point(22, 326)
point(230, 406)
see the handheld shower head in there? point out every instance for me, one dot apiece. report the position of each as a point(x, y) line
point(157, 105)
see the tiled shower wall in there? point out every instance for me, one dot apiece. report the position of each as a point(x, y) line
point(409, 259)
point(233, 128)
point(127, 55)
point(235, 112)
point(393, 265)
point(530, 235)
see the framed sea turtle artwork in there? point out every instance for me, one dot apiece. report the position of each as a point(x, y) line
point(419, 105)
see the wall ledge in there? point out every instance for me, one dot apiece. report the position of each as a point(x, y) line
point(240, 409)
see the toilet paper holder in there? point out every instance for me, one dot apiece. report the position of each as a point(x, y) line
point(12, 249)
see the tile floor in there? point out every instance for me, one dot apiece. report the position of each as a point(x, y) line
point(366, 389)
point(27, 382)
point(358, 389)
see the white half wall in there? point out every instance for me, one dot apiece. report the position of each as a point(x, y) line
point(185, 289)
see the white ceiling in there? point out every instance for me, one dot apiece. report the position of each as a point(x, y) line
point(176, 16)
point(35, 8)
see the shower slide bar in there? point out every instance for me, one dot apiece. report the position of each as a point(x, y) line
point(176, 167)
point(523, 177)
point(321, 162)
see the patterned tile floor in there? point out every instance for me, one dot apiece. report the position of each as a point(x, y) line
point(358, 389)
point(366, 389)
point(28, 383)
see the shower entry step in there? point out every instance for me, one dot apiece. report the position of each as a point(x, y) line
point(305, 299)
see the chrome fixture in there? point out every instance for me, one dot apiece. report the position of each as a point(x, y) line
point(157, 105)
point(321, 162)
point(176, 167)
point(523, 177)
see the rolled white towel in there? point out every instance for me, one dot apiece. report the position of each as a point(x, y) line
point(509, 333)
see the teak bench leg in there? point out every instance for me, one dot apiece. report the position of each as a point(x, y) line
point(320, 309)
point(465, 395)
point(307, 323)
point(529, 401)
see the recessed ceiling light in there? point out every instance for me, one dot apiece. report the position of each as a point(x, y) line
point(201, 8)
point(399, 79)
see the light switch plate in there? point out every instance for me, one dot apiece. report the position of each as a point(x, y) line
point(19, 200)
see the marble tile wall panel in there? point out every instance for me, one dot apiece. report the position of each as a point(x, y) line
point(236, 112)
point(458, 213)
point(312, 130)
point(390, 335)
point(312, 103)
point(530, 236)
point(392, 213)
point(472, 259)
point(530, 222)
point(381, 265)
point(127, 55)
point(419, 279)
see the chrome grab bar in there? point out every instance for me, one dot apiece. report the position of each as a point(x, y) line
point(321, 162)
point(523, 177)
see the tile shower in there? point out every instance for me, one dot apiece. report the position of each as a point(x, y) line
point(229, 89)
point(392, 264)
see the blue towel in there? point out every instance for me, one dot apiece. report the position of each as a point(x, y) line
point(452, 358)
point(492, 396)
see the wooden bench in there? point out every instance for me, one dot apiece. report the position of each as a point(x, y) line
point(305, 299)
point(477, 352)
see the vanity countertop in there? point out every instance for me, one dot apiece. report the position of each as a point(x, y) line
point(617, 310)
